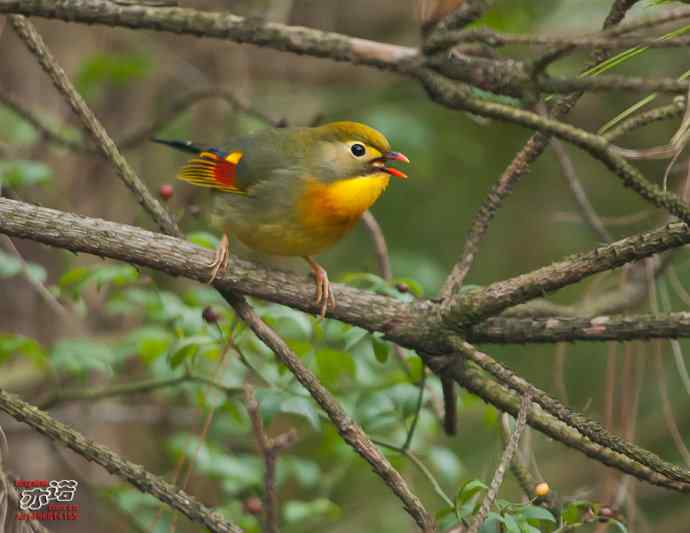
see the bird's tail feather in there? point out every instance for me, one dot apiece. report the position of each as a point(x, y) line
point(183, 146)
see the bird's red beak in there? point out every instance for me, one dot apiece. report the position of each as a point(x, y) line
point(395, 156)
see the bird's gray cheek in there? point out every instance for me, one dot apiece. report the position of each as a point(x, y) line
point(330, 158)
point(329, 154)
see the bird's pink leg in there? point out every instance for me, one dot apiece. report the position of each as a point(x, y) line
point(324, 293)
point(220, 261)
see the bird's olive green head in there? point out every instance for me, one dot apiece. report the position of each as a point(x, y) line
point(343, 150)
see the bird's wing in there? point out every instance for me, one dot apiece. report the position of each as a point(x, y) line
point(240, 165)
point(211, 167)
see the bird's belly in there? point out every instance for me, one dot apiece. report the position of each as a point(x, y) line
point(321, 216)
point(290, 239)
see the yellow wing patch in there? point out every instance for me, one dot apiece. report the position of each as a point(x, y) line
point(211, 170)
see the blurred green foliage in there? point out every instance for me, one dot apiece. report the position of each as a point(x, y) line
point(143, 328)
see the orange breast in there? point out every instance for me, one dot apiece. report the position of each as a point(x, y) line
point(328, 210)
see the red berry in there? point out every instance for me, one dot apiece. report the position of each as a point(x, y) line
point(402, 287)
point(166, 191)
point(606, 513)
point(253, 505)
point(209, 315)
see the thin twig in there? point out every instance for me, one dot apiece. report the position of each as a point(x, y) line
point(506, 458)
point(589, 428)
point(182, 258)
point(379, 242)
point(40, 288)
point(269, 449)
point(34, 42)
point(518, 167)
point(113, 463)
point(346, 427)
point(474, 380)
point(300, 40)
point(666, 406)
point(204, 429)
point(127, 389)
point(518, 467)
point(586, 209)
point(46, 131)
point(421, 467)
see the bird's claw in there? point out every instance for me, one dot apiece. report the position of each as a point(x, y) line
point(221, 259)
point(324, 293)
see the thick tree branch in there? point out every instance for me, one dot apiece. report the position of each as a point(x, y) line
point(113, 463)
point(413, 324)
point(348, 429)
point(507, 400)
point(518, 167)
point(473, 305)
point(601, 328)
point(457, 96)
point(509, 77)
point(589, 428)
point(296, 39)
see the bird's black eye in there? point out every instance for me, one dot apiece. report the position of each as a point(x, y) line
point(358, 150)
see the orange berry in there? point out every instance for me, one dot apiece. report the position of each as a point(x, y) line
point(542, 489)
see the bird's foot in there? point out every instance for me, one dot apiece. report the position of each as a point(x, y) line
point(324, 293)
point(220, 261)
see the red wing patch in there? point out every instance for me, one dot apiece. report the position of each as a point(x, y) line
point(213, 169)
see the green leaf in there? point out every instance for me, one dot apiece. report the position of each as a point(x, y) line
point(237, 471)
point(528, 528)
point(79, 355)
point(307, 473)
point(19, 345)
point(204, 239)
point(103, 69)
point(301, 407)
point(74, 277)
point(24, 173)
point(334, 367)
point(295, 511)
point(117, 275)
point(534, 512)
point(573, 512)
point(492, 523)
point(511, 524)
point(10, 265)
point(381, 349)
point(468, 490)
point(15, 129)
point(270, 402)
point(619, 526)
point(446, 463)
point(187, 347)
point(151, 342)
point(353, 337)
point(292, 324)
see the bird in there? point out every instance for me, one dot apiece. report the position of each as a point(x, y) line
point(292, 191)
